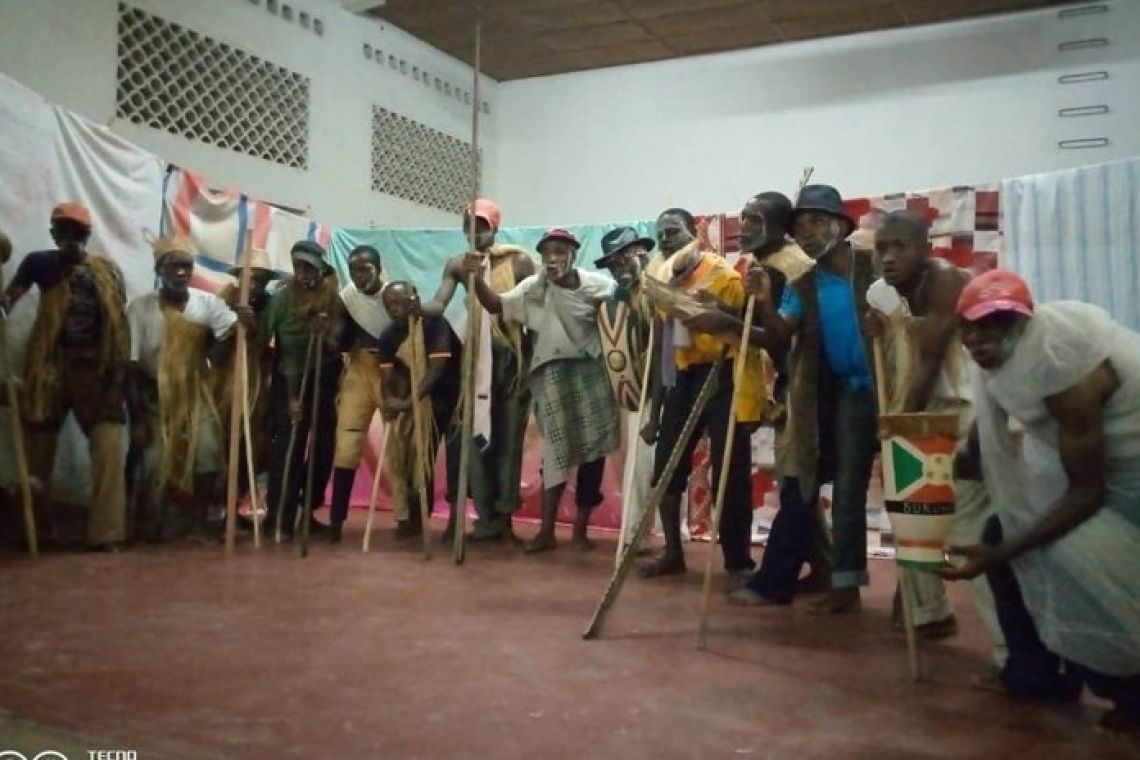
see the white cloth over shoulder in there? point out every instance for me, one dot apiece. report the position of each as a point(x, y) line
point(1083, 590)
point(366, 310)
point(148, 327)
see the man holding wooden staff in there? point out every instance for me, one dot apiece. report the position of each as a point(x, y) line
point(830, 433)
point(435, 386)
point(912, 309)
point(502, 400)
point(76, 362)
point(573, 401)
point(682, 288)
point(359, 321)
point(176, 333)
point(625, 326)
point(298, 316)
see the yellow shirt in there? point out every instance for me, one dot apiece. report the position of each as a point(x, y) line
point(714, 276)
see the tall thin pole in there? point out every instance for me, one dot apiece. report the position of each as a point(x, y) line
point(241, 381)
point(474, 313)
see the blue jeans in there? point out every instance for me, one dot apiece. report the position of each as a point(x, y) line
point(854, 450)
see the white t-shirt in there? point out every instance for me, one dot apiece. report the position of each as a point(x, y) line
point(144, 317)
point(565, 321)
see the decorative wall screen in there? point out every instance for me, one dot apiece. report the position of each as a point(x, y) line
point(412, 161)
point(175, 79)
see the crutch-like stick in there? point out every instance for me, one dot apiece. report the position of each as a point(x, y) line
point(241, 380)
point(626, 517)
point(421, 455)
point(18, 452)
point(285, 495)
point(388, 428)
point(310, 457)
point(722, 480)
point(626, 563)
point(905, 590)
point(474, 313)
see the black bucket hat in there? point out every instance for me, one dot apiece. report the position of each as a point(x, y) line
point(617, 240)
point(823, 198)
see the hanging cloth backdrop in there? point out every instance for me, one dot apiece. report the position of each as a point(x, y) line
point(48, 155)
point(1076, 235)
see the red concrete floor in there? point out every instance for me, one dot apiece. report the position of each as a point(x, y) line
point(177, 652)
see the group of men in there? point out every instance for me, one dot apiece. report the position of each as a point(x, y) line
point(1046, 520)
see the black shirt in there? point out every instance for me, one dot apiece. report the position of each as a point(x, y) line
point(439, 340)
point(83, 321)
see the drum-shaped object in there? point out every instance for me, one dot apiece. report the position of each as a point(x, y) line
point(918, 483)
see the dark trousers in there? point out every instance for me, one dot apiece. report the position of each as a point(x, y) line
point(789, 543)
point(322, 450)
point(588, 484)
point(1032, 670)
point(851, 445)
point(736, 517)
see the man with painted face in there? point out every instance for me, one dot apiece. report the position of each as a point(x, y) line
point(624, 326)
point(359, 320)
point(1060, 554)
point(688, 352)
point(912, 308)
point(76, 362)
point(502, 400)
point(831, 425)
point(299, 309)
point(176, 332)
point(573, 401)
point(437, 391)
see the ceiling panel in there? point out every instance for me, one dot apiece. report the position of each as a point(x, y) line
point(526, 38)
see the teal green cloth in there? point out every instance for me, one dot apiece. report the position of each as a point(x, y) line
point(419, 255)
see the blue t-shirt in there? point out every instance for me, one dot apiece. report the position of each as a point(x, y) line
point(839, 326)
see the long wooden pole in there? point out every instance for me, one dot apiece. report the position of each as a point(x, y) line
point(388, 428)
point(285, 470)
point(474, 313)
point(905, 590)
point(633, 446)
point(722, 480)
point(311, 455)
point(241, 381)
point(251, 470)
point(18, 452)
point(422, 446)
point(617, 580)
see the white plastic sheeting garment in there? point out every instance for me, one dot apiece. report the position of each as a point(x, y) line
point(1083, 590)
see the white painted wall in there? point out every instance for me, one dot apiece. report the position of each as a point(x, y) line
point(66, 51)
point(874, 113)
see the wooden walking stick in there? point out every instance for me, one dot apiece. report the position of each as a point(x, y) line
point(251, 470)
point(285, 495)
point(310, 456)
point(641, 404)
point(18, 452)
point(241, 381)
point(474, 313)
point(905, 591)
point(422, 448)
point(388, 428)
point(722, 480)
point(613, 588)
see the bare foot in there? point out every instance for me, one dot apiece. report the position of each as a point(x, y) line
point(837, 601)
point(666, 564)
point(541, 543)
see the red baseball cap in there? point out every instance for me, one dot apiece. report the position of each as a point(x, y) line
point(72, 211)
point(486, 210)
point(558, 234)
point(996, 290)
